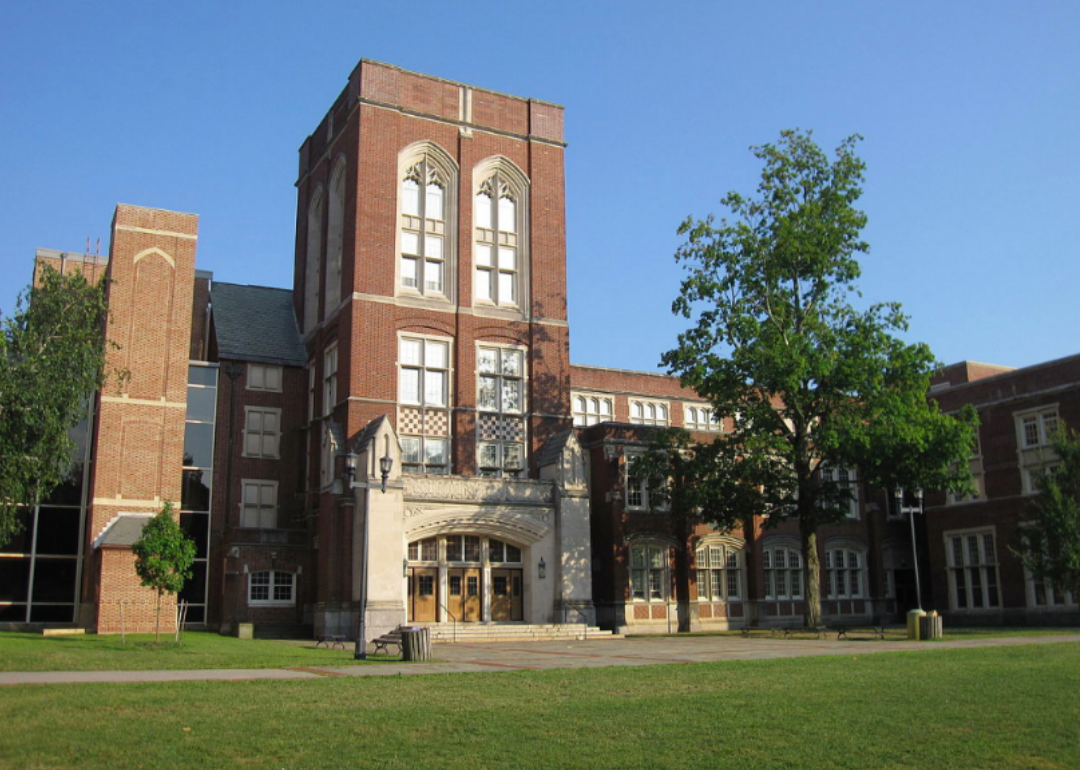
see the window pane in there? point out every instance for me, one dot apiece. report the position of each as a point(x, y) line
point(410, 352)
point(409, 386)
point(436, 355)
point(483, 255)
point(512, 363)
point(435, 388)
point(408, 272)
point(433, 276)
point(511, 396)
point(410, 449)
point(507, 258)
point(487, 398)
point(507, 288)
point(410, 198)
point(199, 444)
point(483, 211)
point(429, 549)
point(434, 208)
point(489, 456)
point(605, 407)
point(513, 454)
point(200, 404)
point(433, 247)
point(410, 243)
point(507, 215)
point(484, 280)
point(435, 451)
point(485, 360)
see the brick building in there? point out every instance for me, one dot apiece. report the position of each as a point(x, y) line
point(402, 437)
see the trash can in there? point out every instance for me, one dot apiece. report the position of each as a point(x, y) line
point(931, 626)
point(416, 643)
point(913, 618)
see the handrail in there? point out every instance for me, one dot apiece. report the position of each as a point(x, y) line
point(453, 617)
point(584, 620)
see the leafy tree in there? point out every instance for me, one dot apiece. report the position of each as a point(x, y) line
point(163, 557)
point(1050, 545)
point(807, 378)
point(52, 358)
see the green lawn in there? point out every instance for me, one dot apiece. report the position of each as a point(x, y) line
point(34, 652)
point(1000, 708)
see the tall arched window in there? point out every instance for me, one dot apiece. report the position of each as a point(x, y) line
point(500, 249)
point(313, 261)
point(426, 201)
point(335, 241)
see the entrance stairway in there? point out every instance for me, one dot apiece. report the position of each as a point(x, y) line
point(513, 632)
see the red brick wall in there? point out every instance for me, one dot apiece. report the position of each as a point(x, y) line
point(119, 585)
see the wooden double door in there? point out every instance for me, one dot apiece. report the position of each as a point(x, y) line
point(464, 598)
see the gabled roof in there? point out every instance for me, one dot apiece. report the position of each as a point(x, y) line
point(124, 530)
point(256, 323)
point(553, 447)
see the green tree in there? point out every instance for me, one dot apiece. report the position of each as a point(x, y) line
point(1050, 545)
point(163, 557)
point(805, 376)
point(52, 358)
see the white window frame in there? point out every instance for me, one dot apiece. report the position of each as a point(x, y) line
point(272, 584)
point(779, 571)
point(497, 179)
point(848, 575)
point(651, 573)
point(650, 412)
point(264, 377)
point(502, 462)
point(719, 571)
point(846, 478)
point(700, 417)
point(1035, 427)
point(588, 408)
point(269, 440)
point(973, 570)
point(636, 488)
point(261, 509)
point(330, 378)
point(427, 164)
point(423, 444)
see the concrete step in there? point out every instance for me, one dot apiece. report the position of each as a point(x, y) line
point(505, 632)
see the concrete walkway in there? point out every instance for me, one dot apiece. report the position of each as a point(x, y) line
point(532, 656)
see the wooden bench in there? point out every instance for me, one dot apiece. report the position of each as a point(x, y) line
point(331, 640)
point(384, 641)
point(842, 631)
point(787, 632)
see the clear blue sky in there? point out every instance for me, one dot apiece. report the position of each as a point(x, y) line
point(970, 110)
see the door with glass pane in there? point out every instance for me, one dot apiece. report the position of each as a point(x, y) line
point(506, 592)
point(463, 594)
point(423, 599)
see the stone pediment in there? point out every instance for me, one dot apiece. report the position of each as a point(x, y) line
point(522, 525)
point(483, 491)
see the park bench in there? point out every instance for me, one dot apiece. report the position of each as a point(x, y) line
point(383, 642)
point(331, 640)
point(842, 631)
point(787, 631)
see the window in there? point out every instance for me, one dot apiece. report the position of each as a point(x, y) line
point(783, 573)
point(1033, 474)
point(262, 432)
point(648, 572)
point(648, 413)
point(843, 573)
point(313, 261)
point(700, 418)
point(258, 504)
point(272, 587)
point(498, 220)
point(589, 410)
point(501, 552)
point(425, 239)
point(335, 238)
point(637, 488)
point(264, 377)
point(423, 385)
point(501, 389)
point(330, 362)
point(311, 391)
point(973, 572)
point(843, 479)
point(1038, 427)
point(1044, 594)
point(718, 572)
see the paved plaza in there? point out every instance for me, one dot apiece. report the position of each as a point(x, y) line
point(536, 656)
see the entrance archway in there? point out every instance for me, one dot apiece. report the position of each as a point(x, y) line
point(465, 578)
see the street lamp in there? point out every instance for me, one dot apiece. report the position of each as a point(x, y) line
point(914, 549)
point(386, 463)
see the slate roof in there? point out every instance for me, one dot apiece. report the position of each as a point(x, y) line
point(364, 437)
point(124, 530)
point(553, 447)
point(256, 323)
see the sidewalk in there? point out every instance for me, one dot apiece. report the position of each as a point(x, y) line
point(533, 656)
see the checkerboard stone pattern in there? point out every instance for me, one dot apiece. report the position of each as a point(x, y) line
point(497, 427)
point(423, 422)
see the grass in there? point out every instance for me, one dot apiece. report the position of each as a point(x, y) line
point(33, 652)
point(892, 633)
point(1001, 708)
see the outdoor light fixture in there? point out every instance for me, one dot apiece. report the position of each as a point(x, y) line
point(541, 569)
point(386, 462)
point(350, 466)
point(918, 492)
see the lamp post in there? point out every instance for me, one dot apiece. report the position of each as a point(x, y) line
point(386, 463)
point(915, 614)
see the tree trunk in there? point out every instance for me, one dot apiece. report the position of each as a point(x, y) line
point(811, 576)
point(157, 619)
point(682, 575)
